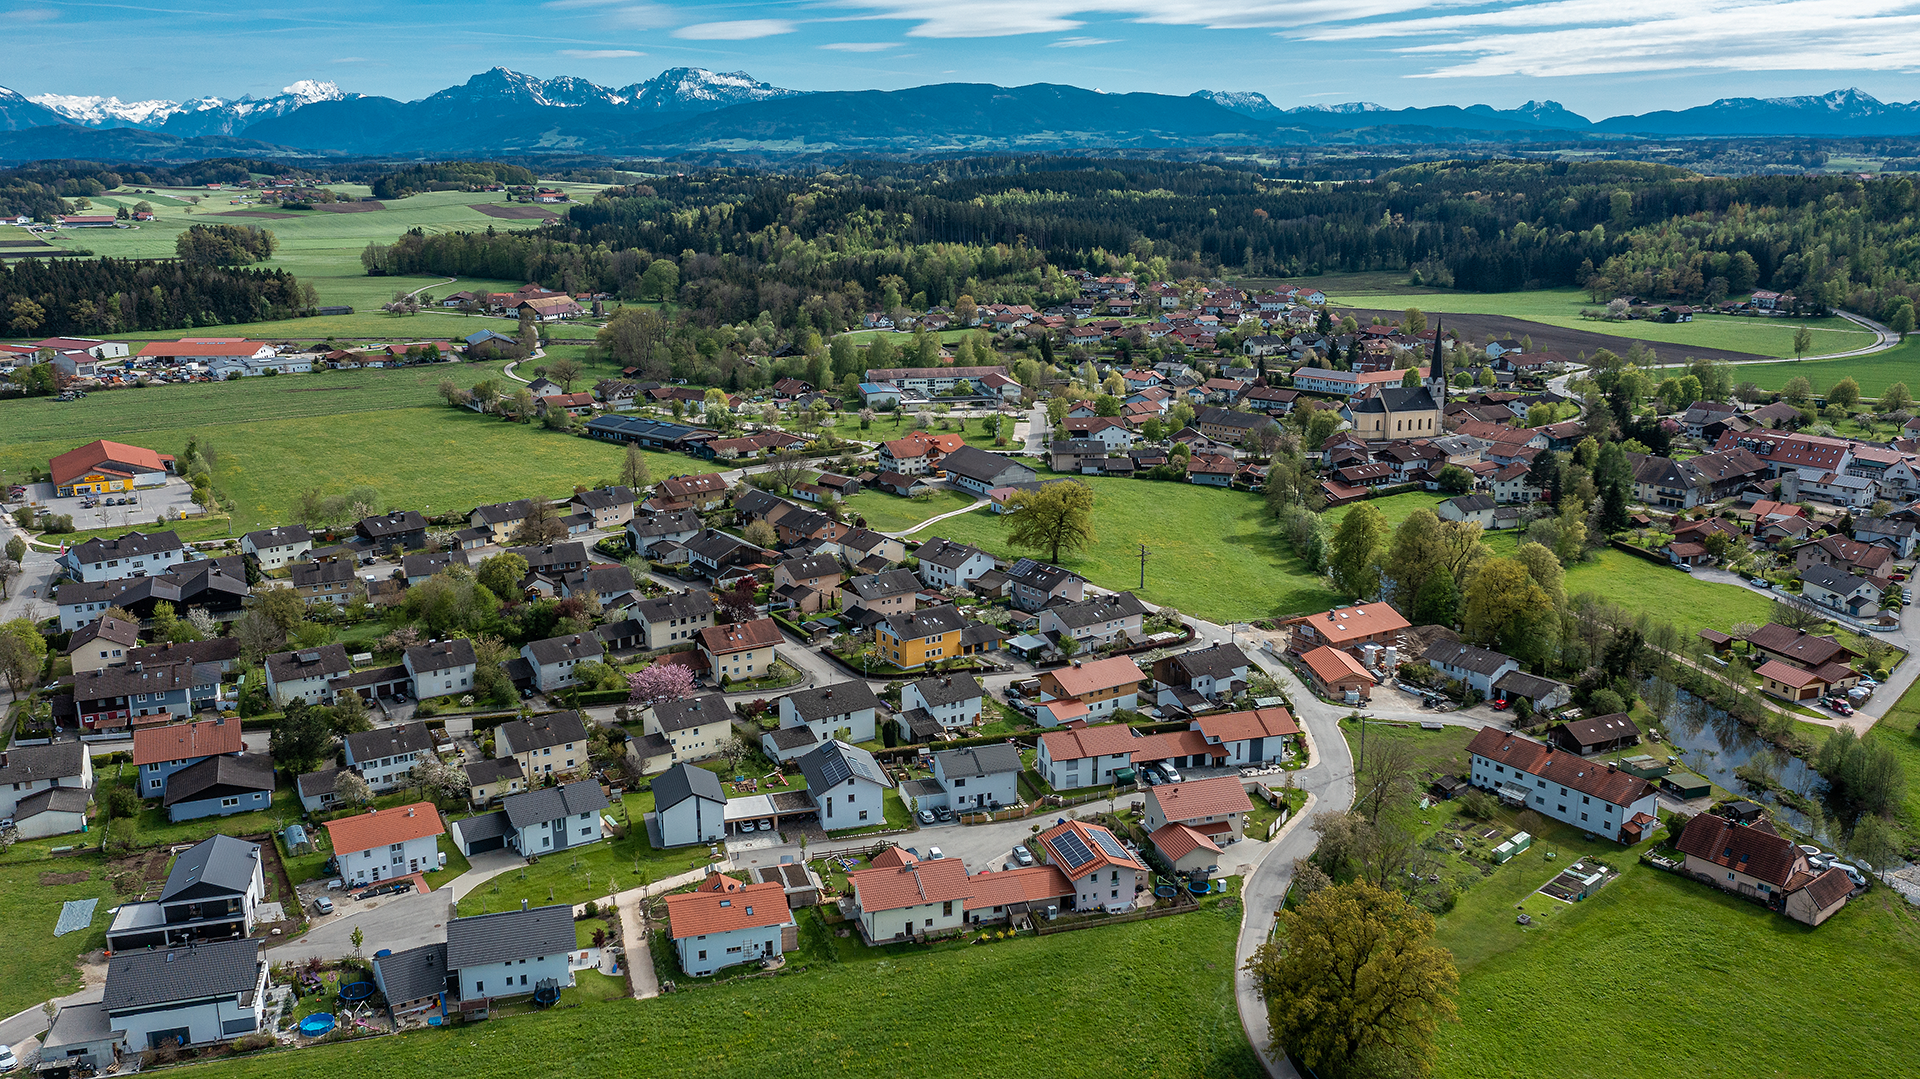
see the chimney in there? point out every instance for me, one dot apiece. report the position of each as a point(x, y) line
point(136, 666)
point(523, 904)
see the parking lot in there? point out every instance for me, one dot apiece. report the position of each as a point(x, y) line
point(132, 509)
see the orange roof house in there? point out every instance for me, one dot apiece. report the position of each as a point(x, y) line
point(186, 741)
point(725, 922)
point(379, 828)
point(1337, 673)
point(102, 466)
point(1346, 627)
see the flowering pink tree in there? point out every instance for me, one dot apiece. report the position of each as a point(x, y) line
point(660, 682)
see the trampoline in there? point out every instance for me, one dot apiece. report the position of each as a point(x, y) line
point(355, 992)
point(1166, 891)
point(316, 1024)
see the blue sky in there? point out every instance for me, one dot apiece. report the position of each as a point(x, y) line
point(1598, 57)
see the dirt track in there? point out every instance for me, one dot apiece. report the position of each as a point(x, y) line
point(1568, 343)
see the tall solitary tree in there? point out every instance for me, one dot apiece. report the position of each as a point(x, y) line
point(1802, 342)
point(1354, 985)
point(1057, 517)
point(1357, 545)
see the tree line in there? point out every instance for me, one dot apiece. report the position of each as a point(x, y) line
point(100, 296)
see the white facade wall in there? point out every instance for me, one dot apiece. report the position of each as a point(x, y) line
point(1080, 771)
point(952, 716)
point(1550, 799)
point(384, 863)
point(691, 821)
point(856, 803)
point(513, 978)
point(702, 955)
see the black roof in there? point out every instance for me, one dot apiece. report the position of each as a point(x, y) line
point(997, 759)
point(948, 554)
point(396, 523)
point(560, 649)
point(389, 742)
point(1117, 607)
point(791, 737)
point(485, 826)
point(314, 784)
point(502, 512)
point(912, 625)
point(684, 781)
point(665, 524)
point(835, 761)
point(1397, 399)
point(218, 776)
point(540, 732)
point(412, 974)
point(1218, 661)
point(328, 660)
point(429, 563)
point(308, 574)
point(131, 545)
point(496, 769)
point(552, 803)
point(679, 715)
point(24, 764)
point(441, 655)
point(228, 967)
point(893, 582)
point(835, 700)
point(220, 865)
point(511, 934)
point(678, 605)
point(279, 536)
point(949, 689)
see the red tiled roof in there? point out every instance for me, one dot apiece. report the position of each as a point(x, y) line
point(740, 637)
point(1029, 885)
point(75, 463)
point(1343, 624)
point(1159, 747)
point(722, 904)
point(204, 738)
point(1084, 678)
point(1759, 854)
point(909, 885)
point(1332, 665)
point(1176, 841)
point(1198, 798)
point(1086, 832)
point(383, 827)
point(893, 858)
point(1569, 770)
point(1829, 888)
point(1106, 739)
point(1237, 726)
point(1789, 676)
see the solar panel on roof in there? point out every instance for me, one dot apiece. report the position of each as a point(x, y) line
point(1072, 850)
point(834, 770)
point(1111, 845)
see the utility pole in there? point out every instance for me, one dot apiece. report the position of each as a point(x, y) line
point(1143, 566)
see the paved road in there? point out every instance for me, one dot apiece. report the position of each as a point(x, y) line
point(406, 921)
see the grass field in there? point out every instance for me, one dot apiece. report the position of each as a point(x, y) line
point(333, 430)
point(587, 873)
point(1213, 552)
point(1562, 307)
point(1874, 373)
point(35, 964)
point(1900, 728)
point(1155, 996)
point(885, 512)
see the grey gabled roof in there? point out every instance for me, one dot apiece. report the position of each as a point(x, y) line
point(220, 864)
point(1530, 686)
point(665, 524)
point(791, 737)
point(977, 464)
point(541, 732)
point(481, 772)
point(413, 974)
point(551, 803)
point(485, 826)
point(1464, 657)
point(509, 935)
point(948, 554)
point(979, 760)
point(28, 763)
point(1113, 608)
point(502, 512)
point(831, 765)
point(1474, 503)
point(950, 689)
point(913, 625)
point(131, 545)
point(325, 661)
point(677, 605)
point(389, 742)
point(394, 523)
point(1218, 661)
point(53, 800)
point(893, 582)
point(162, 976)
point(560, 649)
point(836, 700)
point(219, 776)
point(1831, 579)
point(279, 536)
point(441, 656)
point(692, 712)
point(684, 781)
point(315, 784)
point(814, 566)
point(606, 498)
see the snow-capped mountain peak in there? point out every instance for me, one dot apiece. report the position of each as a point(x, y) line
point(695, 89)
point(108, 111)
point(1244, 102)
point(1345, 108)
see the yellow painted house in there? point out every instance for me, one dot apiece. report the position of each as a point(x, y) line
point(916, 638)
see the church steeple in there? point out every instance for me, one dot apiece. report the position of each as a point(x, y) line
point(1437, 368)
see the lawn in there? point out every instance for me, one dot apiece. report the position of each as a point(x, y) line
point(888, 512)
point(1165, 1008)
point(1672, 956)
point(1667, 594)
point(35, 964)
point(589, 873)
point(278, 436)
point(1395, 508)
point(1212, 553)
point(1874, 373)
point(1900, 728)
point(1562, 307)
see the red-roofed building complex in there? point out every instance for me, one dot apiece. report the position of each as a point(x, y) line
point(1599, 798)
point(102, 466)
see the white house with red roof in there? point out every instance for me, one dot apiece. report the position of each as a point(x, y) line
point(1105, 875)
point(1085, 756)
point(726, 922)
point(1217, 807)
point(1596, 797)
point(381, 844)
point(914, 898)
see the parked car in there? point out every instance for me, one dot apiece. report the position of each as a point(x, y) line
point(8, 1061)
point(1761, 582)
point(934, 854)
point(1171, 773)
point(942, 814)
point(1150, 777)
point(323, 905)
point(925, 816)
point(1022, 855)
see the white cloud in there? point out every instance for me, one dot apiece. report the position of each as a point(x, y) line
point(1080, 42)
point(861, 46)
point(599, 54)
point(622, 13)
point(737, 30)
point(33, 14)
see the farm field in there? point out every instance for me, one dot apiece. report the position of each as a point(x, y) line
point(857, 1011)
point(1213, 552)
point(334, 431)
point(1562, 307)
point(1874, 373)
point(1900, 729)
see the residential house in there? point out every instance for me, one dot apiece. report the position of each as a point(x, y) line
point(952, 702)
point(674, 619)
point(45, 789)
point(946, 564)
point(1347, 628)
point(979, 471)
point(976, 778)
point(651, 528)
point(1836, 589)
point(1088, 690)
point(700, 493)
point(847, 785)
point(1216, 807)
point(1595, 797)
point(509, 954)
point(318, 790)
point(694, 727)
point(1474, 509)
point(330, 583)
point(910, 898)
point(689, 806)
point(384, 843)
point(277, 546)
point(1895, 535)
point(1838, 552)
point(555, 658)
point(1478, 669)
point(110, 698)
point(610, 507)
point(883, 594)
point(1761, 864)
point(396, 530)
point(547, 820)
point(220, 787)
point(160, 752)
point(101, 644)
point(501, 519)
point(725, 923)
point(1186, 849)
point(741, 651)
point(1105, 875)
point(1597, 734)
point(847, 710)
point(917, 454)
point(203, 995)
point(1256, 736)
point(419, 568)
point(1544, 694)
point(385, 756)
point(808, 584)
point(554, 744)
point(211, 893)
point(1095, 621)
point(713, 553)
point(1035, 585)
point(135, 554)
point(1211, 469)
point(491, 779)
point(441, 668)
point(1230, 427)
point(1337, 674)
point(914, 639)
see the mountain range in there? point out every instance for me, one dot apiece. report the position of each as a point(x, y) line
point(693, 109)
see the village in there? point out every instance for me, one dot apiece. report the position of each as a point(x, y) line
point(728, 712)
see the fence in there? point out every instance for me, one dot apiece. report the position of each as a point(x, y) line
point(1182, 906)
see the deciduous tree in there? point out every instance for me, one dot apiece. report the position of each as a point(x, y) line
point(1056, 517)
point(1358, 543)
point(659, 682)
point(301, 738)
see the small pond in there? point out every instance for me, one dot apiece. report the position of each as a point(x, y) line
point(1712, 743)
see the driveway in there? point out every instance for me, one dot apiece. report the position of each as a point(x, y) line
point(402, 922)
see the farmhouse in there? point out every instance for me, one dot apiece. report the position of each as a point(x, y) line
point(1600, 798)
point(1754, 861)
